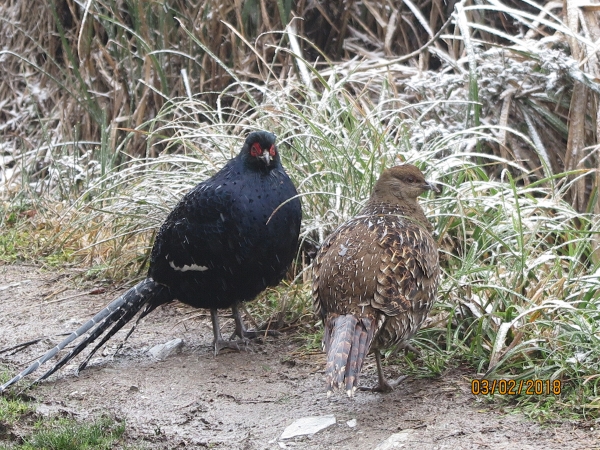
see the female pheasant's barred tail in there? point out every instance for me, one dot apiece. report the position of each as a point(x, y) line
point(120, 311)
point(347, 341)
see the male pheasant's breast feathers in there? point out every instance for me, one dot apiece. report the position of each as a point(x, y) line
point(234, 234)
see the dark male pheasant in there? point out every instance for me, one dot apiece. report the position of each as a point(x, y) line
point(222, 245)
point(376, 277)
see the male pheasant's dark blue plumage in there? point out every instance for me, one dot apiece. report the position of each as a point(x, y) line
point(226, 240)
point(221, 238)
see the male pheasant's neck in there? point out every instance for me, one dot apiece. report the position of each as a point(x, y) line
point(411, 210)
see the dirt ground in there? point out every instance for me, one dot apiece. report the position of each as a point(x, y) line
point(242, 400)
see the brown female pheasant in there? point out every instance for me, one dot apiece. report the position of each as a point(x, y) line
point(376, 277)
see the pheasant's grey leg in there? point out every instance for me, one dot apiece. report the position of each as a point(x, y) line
point(219, 343)
point(242, 332)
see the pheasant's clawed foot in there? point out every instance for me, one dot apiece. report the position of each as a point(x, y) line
point(383, 385)
point(244, 336)
point(234, 345)
point(219, 343)
point(407, 347)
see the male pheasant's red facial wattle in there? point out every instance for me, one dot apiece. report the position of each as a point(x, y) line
point(266, 156)
point(257, 151)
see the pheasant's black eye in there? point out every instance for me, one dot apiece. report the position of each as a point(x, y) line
point(411, 179)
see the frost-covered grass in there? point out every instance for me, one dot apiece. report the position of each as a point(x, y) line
point(520, 297)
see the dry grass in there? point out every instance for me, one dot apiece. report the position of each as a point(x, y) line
point(78, 79)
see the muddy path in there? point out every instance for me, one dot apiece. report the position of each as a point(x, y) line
point(242, 400)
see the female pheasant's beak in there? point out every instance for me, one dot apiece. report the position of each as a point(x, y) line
point(266, 157)
point(429, 186)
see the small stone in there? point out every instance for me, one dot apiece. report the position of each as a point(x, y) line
point(43, 410)
point(76, 395)
point(14, 284)
point(351, 423)
point(163, 351)
point(396, 440)
point(307, 425)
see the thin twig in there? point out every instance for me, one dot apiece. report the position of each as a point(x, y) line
point(24, 345)
point(410, 55)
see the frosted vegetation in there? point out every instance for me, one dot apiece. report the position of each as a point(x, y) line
point(110, 118)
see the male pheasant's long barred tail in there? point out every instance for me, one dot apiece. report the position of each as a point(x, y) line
point(346, 348)
point(118, 312)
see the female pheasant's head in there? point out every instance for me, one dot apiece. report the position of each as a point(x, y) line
point(402, 184)
point(260, 151)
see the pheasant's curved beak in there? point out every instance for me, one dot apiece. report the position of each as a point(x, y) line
point(266, 157)
point(431, 187)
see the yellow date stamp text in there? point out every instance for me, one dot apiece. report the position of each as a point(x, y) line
point(515, 387)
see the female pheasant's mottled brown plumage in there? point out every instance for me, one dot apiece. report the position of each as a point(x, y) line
point(376, 277)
